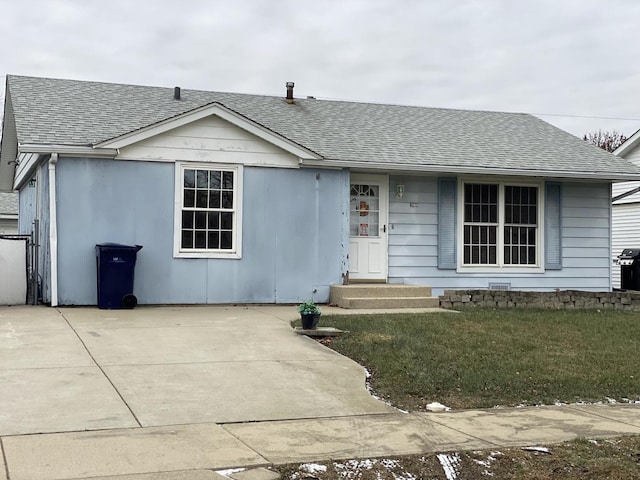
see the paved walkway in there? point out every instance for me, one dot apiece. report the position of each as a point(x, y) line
point(107, 396)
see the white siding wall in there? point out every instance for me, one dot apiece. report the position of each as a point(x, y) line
point(586, 263)
point(625, 220)
point(626, 233)
point(211, 139)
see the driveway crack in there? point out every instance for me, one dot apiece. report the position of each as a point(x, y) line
point(100, 367)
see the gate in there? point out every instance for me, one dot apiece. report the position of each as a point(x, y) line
point(19, 279)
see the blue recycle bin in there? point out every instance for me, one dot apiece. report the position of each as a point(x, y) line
point(115, 267)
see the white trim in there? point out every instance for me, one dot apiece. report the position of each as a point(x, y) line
point(202, 112)
point(236, 251)
point(629, 144)
point(500, 268)
point(465, 170)
point(53, 229)
point(68, 150)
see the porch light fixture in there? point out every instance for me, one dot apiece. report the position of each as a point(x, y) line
point(399, 191)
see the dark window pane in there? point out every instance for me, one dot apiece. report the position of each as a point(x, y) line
point(202, 198)
point(475, 254)
point(483, 236)
point(532, 236)
point(467, 213)
point(213, 220)
point(201, 239)
point(213, 240)
point(187, 219)
point(514, 255)
point(214, 180)
point(187, 239)
point(202, 179)
point(492, 255)
point(493, 194)
point(189, 198)
point(507, 255)
point(467, 254)
point(476, 217)
point(492, 235)
point(227, 221)
point(214, 199)
point(532, 255)
point(508, 213)
point(484, 196)
point(201, 220)
point(467, 234)
point(533, 216)
point(476, 193)
point(227, 180)
point(227, 199)
point(483, 255)
point(226, 240)
point(493, 214)
point(475, 235)
point(189, 178)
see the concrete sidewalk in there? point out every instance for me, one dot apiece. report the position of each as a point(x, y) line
point(176, 393)
point(195, 452)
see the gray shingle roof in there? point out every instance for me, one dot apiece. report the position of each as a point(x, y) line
point(68, 112)
point(8, 203)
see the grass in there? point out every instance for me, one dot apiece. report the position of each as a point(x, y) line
point(584, 459)
point(486, 357)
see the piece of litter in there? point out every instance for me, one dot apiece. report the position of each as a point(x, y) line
point(437, 407)
point(537, 449)
point(313, 468)
point(228, 472)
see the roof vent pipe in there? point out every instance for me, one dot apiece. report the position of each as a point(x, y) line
point(176, 93)
point(290, 86)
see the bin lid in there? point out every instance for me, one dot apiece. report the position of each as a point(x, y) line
point(117, 246)
point(630, 253)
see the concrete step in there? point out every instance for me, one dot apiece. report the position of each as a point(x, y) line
point(372, 295)
point(373, 290)
point(389, 302)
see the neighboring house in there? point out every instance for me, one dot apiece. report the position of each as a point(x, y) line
point(246, 198)
point(625, 227)
point(8, 212)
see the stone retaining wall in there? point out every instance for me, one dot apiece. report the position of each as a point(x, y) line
point(561, 299)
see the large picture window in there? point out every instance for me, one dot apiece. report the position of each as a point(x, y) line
point(500, 225)
point(208, 199)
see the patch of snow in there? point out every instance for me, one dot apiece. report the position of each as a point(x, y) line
point(450, 464)
point(313, 467)
point(229, 471)
point(487, 463)
point(437, 407)
point(612, 401)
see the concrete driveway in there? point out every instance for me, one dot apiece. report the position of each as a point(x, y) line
point(74, 369)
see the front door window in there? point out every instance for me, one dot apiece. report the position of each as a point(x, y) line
point(364, 210)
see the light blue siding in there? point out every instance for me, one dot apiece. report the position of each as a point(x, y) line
point(413, 236)
point(293, 236)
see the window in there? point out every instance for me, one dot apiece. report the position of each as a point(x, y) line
point(500, 225)
point(208, 209)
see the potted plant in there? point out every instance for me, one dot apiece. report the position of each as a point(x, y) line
point(309, 314)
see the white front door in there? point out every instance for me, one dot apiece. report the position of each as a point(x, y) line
point(368, 210)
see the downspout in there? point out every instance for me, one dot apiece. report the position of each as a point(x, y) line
point(53, 229)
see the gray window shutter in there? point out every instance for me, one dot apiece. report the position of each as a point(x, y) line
point(447, 200)
point(552, 226)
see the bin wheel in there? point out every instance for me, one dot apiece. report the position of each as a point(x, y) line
point(129, 301)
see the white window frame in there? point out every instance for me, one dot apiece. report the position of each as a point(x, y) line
point(236, 251)
point(500, 267)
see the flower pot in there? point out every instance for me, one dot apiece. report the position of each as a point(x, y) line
point(310, 320)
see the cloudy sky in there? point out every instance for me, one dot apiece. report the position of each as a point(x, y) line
point(571, 62)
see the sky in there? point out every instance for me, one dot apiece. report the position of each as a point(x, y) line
point(573, 63)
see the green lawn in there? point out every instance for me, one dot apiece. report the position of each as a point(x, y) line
point(486, 357)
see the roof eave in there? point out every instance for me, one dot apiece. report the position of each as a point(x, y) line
point(466, 170)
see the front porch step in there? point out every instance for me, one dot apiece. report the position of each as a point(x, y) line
point(361, 303)
point(380, 296)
